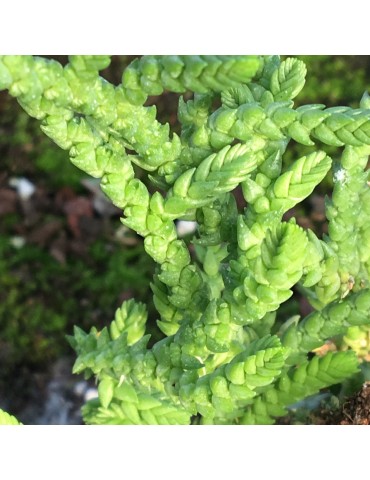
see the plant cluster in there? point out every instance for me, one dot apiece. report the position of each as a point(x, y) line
point(224, 358)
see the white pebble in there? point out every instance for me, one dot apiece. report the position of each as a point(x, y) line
point(24, 187)
point(80, 388)
point(17, 242)
point(90, 394)
point(184, 227)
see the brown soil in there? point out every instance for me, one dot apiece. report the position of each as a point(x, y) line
point(354, 411)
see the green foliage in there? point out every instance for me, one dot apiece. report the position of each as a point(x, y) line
point(332, 80)
point(223, 359)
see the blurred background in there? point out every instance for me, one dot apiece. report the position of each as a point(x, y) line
point(65, 258)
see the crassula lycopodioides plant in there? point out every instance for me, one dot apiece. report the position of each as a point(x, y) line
point(224, 358)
